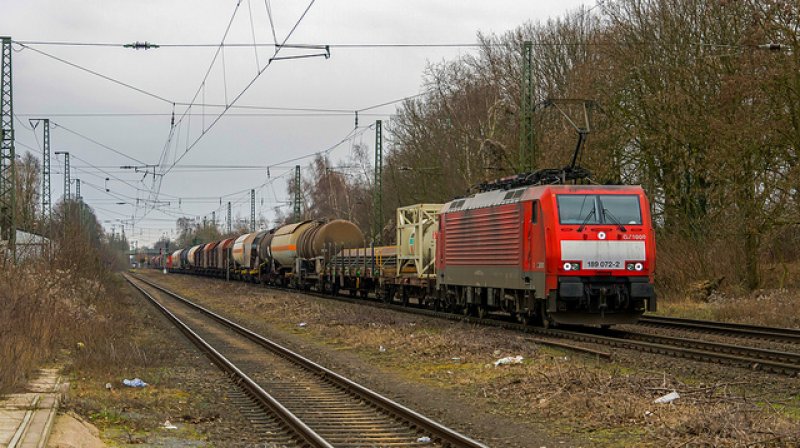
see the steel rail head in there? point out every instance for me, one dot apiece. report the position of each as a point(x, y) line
point(291, 420)
point(774, 333)
point(438, 431)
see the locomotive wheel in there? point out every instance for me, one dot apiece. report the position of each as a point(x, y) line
point(543, 318)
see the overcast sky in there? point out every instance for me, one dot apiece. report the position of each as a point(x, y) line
point(137, 124)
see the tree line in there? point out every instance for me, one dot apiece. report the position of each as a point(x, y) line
point(686, 100)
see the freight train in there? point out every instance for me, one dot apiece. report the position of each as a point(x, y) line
point(542, 254)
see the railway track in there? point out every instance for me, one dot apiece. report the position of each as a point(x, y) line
point(790, 335)
point(773, 361)
point(750, 358)
point(306, 404)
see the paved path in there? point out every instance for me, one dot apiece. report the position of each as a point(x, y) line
point(26, 418)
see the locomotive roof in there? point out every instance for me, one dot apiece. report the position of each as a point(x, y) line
point(515, 195)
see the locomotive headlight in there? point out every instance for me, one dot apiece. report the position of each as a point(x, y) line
point(630, 266)
point(576, 266)
point(567, 266)
point(638, 266)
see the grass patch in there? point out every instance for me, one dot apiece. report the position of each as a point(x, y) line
point(764, 307)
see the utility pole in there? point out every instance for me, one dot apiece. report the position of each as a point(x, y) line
point(230, 224)
point(377, 192)
point(527, 148)
point(297, 196)
point(47, 205)
point(67, 179)
point(66, 190)
point(214, 219)
point(80, 204)
point(8, 163)
point(252, 210)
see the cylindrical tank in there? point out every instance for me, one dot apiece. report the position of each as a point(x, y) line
point(222, 249)
point(242, 248)
point(207, 252)
point(264, 252)
point(211, 255)
point(339, 233)
point(284, 243)
point(190, 256)
point(255, 256)
point(176, 259)
point(184, 257)
point(198, 256)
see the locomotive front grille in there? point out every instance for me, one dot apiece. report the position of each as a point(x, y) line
point(603, 294)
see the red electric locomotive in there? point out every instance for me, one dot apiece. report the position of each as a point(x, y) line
point(571, 254)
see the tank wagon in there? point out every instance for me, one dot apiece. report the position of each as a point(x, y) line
point(544, 254)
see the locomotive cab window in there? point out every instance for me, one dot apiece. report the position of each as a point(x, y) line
point(578, 209)
point(592, 209)
point(534, 212)
point(621, 209)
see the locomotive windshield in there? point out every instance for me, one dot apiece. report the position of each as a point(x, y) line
point(590, 209)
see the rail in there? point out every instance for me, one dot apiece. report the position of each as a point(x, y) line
point(438, 432)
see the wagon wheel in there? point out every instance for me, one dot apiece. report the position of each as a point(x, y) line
point(388, 295)
point(429, 302)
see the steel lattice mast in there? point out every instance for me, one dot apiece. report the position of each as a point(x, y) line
point(47, 204)
point(377, 192)
point(527, 145)
point(252, 210)
point(8, 178)
point(67, 179)
point(297, 196)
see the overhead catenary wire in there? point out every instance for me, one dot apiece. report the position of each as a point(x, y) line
point(368, 45)
point(95, 73)
point(100, 144)
point(242, 92)
point(333, 114)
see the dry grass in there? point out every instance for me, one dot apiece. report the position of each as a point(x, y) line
point(774, 308)
point(609, 404)
point(33, 316)
point(52, 308)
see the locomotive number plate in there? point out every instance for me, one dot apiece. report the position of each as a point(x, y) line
point(607, 264)
point(608, 255)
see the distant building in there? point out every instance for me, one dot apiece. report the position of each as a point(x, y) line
point(29, 245)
